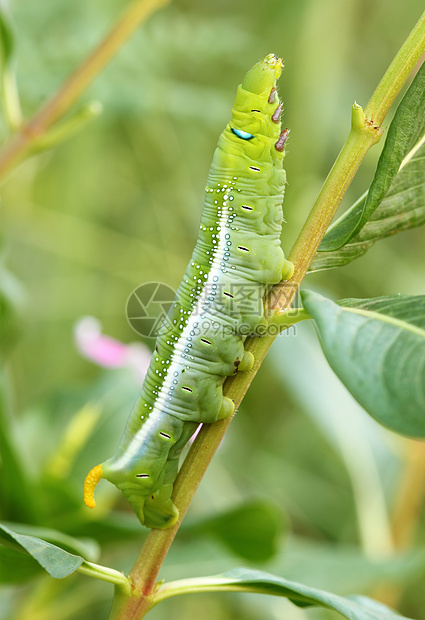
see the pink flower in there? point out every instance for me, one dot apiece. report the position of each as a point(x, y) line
point(107, 351)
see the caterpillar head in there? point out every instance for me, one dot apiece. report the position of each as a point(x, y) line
point(262, 77)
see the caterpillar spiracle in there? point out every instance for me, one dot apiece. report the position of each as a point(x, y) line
point(219, 302)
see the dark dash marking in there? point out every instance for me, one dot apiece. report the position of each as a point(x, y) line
point(243, 248)
point(228, 294)
point(142, 475)
point(255, 167)
point(186, 389)
point(205, 341)
point(165, 435)
point(246, 208)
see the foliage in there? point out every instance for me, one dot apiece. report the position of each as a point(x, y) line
point(377, 348)
point(394, 200)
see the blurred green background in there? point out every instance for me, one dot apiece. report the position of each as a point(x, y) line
point(118, 205)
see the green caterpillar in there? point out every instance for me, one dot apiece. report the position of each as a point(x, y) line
point(219, 302)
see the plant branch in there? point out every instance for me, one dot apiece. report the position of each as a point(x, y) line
point(362, 136)
point(72, 89)
point(105, 574)
point(397, 73)
point(12, 104)
point(196, 585)
point(364, 133)
point(407, 512)
point(409, 501)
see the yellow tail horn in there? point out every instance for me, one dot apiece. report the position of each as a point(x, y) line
point(90, 484)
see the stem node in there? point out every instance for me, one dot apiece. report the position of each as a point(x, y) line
point(361, 124)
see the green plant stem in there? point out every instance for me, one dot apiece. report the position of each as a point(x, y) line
point(12, 104)
point(364, 133)
point(397, 73)
point(407, 513)
point(283, 319)
point(106, 574)
point(19, 145)
point(67, 128)
point(209, 584)
point(362, 136)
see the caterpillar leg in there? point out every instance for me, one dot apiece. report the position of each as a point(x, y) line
point(227, 408)
point(247, 362)
point(90, 483)
point(288, 270)
point(159, 511)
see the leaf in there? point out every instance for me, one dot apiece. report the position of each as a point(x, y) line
point(246, 580)
point(87, 547)
point(56, 561)
point(362, 453)
point(7, 43)
point(406, 130)
point(253, 531)
point(402, 208)
point(374, 606)
point(338, 567)
point(9, 89)
point(12, 303)
point(15, 567)
point(345, 568)
point(18, 494)
point(377, 349)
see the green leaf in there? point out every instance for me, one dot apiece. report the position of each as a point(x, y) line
point(377, 349)
point(12, 303)
point(245, 580)
point(402, 208)
point(19, 497)
point(340, 567)
point(16, 567)
point(7, 43)
point(406, 129)
point(87, 547)
point(253, 531)
point(56, 561)
point(345, 568)
point(11, 102)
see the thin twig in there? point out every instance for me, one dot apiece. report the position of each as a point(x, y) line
point(76, 84)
